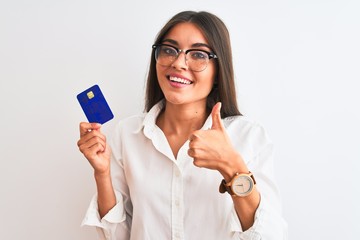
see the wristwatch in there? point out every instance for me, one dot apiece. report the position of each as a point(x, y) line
point(241, 185)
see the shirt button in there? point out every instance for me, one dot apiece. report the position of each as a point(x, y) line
point(177, 173)
point(177, 202)
point(177, 235)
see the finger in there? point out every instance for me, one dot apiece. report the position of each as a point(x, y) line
point(216, 117)
point(92, 146)
point(191, 152)
point(194, 144)
point(87, 127)
point(199, 163)
point(98, 147)
point(93, 151)
point(89, 135)
point(196, 153)
point(93, 141)
point(203, 163)
point(195, 135)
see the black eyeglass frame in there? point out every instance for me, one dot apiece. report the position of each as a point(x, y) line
point(210, 54)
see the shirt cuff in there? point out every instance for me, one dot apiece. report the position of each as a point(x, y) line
point(115, 215)
point(251, 233)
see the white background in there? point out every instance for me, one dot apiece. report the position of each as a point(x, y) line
point(297, 72)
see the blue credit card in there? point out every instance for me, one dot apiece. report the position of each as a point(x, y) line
point(95, 107)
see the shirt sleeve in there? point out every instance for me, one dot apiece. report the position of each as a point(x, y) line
point(269, 223)
point(110, 225)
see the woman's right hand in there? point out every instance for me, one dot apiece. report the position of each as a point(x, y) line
point(92, 144)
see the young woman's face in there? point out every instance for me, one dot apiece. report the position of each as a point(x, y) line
point(179, 83)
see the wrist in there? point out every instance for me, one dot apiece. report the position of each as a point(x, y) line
point(241, 185)
point(102, 175)
point(234, 165)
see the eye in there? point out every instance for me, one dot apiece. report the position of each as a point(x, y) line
point(168, 51)
point(198, 55)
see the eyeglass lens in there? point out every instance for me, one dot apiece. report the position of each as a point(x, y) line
point(196, 60)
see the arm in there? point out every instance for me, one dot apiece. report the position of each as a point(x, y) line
point(106, 194)
point(93, 145)
point(259, 212)
point(217, 153)
point(245, 206)
point(109, 210)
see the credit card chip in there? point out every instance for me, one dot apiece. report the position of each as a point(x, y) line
point(90, 95)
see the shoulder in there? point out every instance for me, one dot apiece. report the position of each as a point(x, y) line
point(124, 129)
point(247, 129)
point(243, 123)
point(130, 124)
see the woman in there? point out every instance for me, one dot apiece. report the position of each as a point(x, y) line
point(170, 167)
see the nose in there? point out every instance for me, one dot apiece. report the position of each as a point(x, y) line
point(180, 62)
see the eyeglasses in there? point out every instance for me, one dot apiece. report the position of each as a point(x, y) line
point(196, 59)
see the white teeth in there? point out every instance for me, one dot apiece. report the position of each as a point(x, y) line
point(180, 80)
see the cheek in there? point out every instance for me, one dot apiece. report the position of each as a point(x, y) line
point(157, 70)
point(210, 76)
point(160, 71)
point(159, 75)
point(211, 71)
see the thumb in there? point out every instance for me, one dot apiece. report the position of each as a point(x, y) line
point(216, 117)
point(95, 126)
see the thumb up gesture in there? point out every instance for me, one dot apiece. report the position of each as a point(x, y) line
point(212, 148)
point(216, 118)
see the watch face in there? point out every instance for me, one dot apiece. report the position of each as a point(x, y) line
point(242, 185)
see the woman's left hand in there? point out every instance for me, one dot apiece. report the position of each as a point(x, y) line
point(212, 148)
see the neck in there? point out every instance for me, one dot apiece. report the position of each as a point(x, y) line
point(182, 119)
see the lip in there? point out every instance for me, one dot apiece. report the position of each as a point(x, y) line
point(178, 81)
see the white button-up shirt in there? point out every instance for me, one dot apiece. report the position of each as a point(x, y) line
point(161, 198)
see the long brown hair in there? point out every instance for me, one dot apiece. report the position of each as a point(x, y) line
point(218, 39)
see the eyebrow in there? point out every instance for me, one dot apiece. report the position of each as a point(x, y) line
point(171, 41)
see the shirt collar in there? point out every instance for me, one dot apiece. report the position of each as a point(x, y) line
point(149, 122)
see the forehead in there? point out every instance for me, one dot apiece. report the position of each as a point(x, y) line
point(186, 34)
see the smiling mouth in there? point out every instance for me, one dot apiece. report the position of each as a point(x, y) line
point(179, 80)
